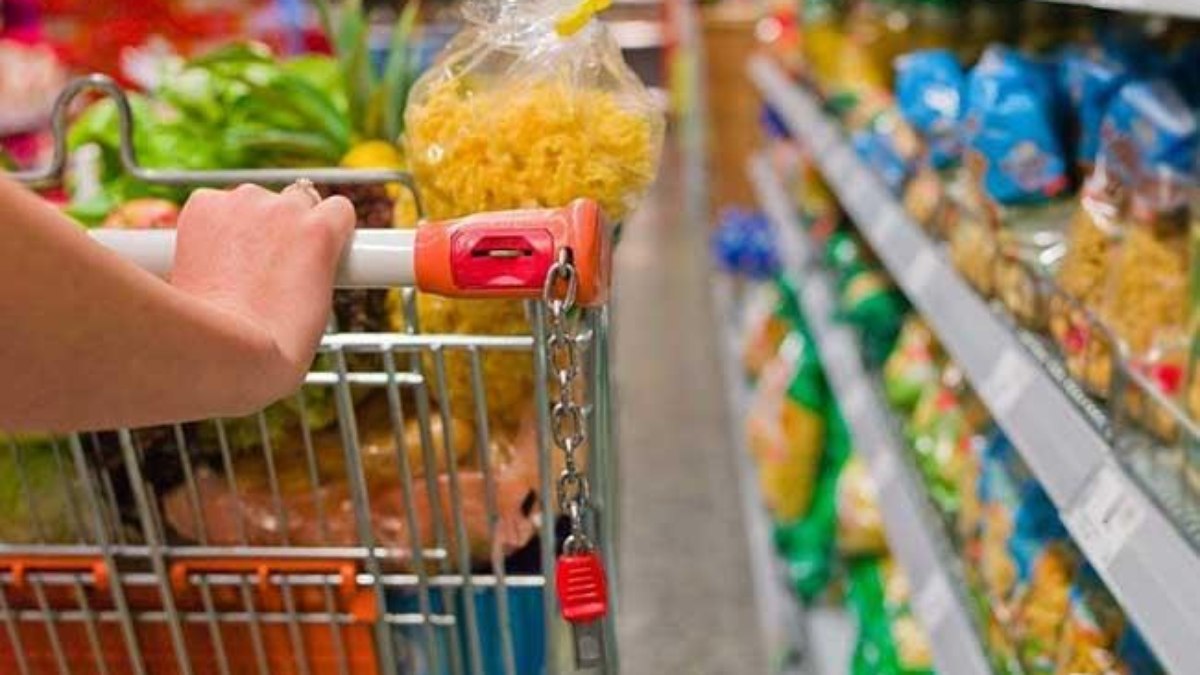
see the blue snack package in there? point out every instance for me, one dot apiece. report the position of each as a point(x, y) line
point(1149, 139)
point(1011, 135)
point(930, 87)
point(1102, 80)
point(1091, 80)
point(744, 243)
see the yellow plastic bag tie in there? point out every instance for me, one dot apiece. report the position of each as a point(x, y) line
point(574, 21)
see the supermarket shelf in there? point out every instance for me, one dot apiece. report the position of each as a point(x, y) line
point(1149, 564)
point(1182, 8)
point(914, 536)
point(781, 617)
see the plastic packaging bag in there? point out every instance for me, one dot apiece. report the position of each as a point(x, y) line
point(943, 427)
point(808, 544)
point(930, 87)
point(1027, 559)
point(1096, 637)
point(526, 109)
point(771, 314)
point(1146, 292)
point(1095, 231)
point(1014, 152)
point(913, 365)
point(786, 430)
point(531, 105)
point(859, 523)
point(890, 640)
point(930, 91)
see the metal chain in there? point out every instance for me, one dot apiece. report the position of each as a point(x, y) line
point(568, 424)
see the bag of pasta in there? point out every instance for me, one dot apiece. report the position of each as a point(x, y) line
point(530, 105)
point(1146, 292)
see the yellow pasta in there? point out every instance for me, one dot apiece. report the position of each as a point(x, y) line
point(534, 145)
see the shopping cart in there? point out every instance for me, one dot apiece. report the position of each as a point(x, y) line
point(361, 526)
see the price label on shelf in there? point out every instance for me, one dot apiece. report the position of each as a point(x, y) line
point(890, 223)
point(856, 183)
point(884, 468)
point(840, 163)
point(1107, 515)
point(920, 272)
point(816, 298)
point(858, 400)
point(1008, 381)
point(933, 602)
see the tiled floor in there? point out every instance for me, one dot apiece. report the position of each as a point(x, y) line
point(686, 603)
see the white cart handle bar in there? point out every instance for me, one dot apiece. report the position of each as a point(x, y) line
point(504, 254)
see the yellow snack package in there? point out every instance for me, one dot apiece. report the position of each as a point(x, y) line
point(786, 428)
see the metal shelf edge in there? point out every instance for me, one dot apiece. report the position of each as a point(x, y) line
point(916, 541)
point(1152, 571)
point(1180, 8)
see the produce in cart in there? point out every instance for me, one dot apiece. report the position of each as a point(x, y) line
point(531, 105)
point(276, 498)
point(39, 495)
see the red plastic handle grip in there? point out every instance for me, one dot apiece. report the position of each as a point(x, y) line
point(507, 254)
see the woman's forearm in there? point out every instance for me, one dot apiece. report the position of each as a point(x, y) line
point(91, 341)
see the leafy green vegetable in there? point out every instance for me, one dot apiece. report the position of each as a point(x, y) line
point(235, 107)
point(375, 102)
point(37, 486)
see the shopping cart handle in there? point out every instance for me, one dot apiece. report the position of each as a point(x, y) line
point(374, 258)
point(503, 254)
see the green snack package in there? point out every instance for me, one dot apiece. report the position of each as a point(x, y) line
point(870, 302)
point(786, 427)
point(808, 544)
point(912, 366)
point(890, 641)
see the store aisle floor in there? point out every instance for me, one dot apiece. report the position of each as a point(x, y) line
point(686, 598)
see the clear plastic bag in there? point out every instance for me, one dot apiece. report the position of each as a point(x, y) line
point(1094, 233)
point(518, 111)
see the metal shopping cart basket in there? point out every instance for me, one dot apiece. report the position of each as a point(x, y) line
point(379, 521)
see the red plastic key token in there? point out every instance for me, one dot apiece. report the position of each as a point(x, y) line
point(582, 587)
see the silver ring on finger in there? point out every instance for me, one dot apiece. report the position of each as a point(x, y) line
point(305, 187)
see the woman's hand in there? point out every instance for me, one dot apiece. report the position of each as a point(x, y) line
point(92, 341)
point(269, 259)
